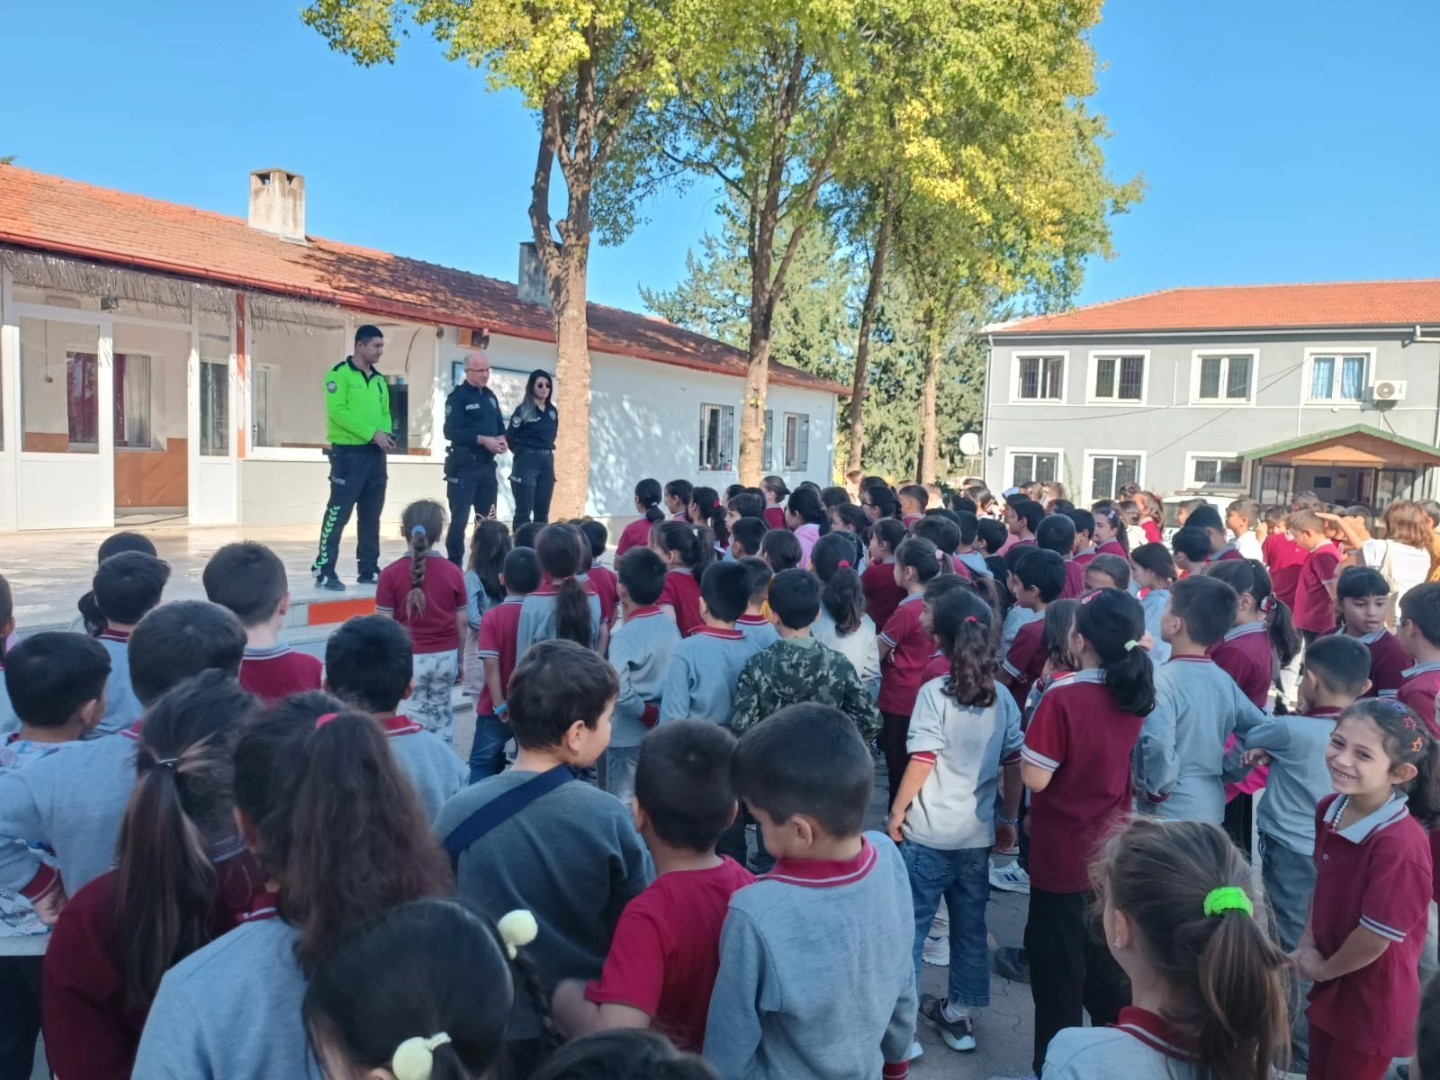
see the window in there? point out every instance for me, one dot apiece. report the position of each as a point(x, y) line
point(1277, 483)
point(717, 437)
point(399, 412)
point(1394, 485)
point(1338, 377)
point(797, 442)
point(1110, 472)
point(266, 406)
point(132, 402)
point(1119, 378)
point(1042, 378)
point(769, 465)
point(1214, 470)
point(1033, 467)
point(214, 395)
point(1224, 379)
point(82, 407)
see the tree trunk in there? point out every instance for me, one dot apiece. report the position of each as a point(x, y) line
point(572, 382)
point(859, 389)
point(929, 430)
point(757, 378)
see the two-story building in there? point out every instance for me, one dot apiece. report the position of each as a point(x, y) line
point(1224, 392)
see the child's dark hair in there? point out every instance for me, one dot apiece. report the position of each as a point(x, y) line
point(963, 624)
point(1207, 605)
point(843, 595)
point(1113, 567)
point(1058, 505)
point(941, 532)
point(51, 675)
point(1083, 520)
point(695, 544)
point(339, 824)
point(422, 524)
point(805, 503)
point(1276, 516)
point(1191, 542)
point(1030, 512)
point(1421, 606)
point(596, 535)
point(561, 552)
point(128, 585)
point(680, 490)
point(1056, 533)
point(1117, 519)
point(1041, 570)
point(556, 684)
point(806, 759)
point(522, 571)
point(368, 663)
point(1056, 635)
point(941, 586)
point(1205, 517)
point(682, 782)
point(1157, 559)
point(1226, 978)
point(834, 496)
point(992, 534)
point(1112, 622)
point(747, 503)
point(248, 579)
point(1409, 740)
point(179, 813)
point(749, 533)
point(112, 545)
point(853, 517)
point(624, 1054)
point(1340, 662)
point(884, 500)
point(527, 534)
point(489, 545)
point(425, 967)
point(182, 639)
point(795, 598)
point(781, 549)
point(707, 501)
point(969, 526)
point(1360, 583)
point(1250, 576)
point(775, 486)
point(647, 494)
point(725, 588)
point(916, 493)
point(642, 572)
point(1248, 509)
point(760, 577)
point(920, 555)
point(889, 532)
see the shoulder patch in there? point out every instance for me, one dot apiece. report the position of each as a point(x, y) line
point(332, 386)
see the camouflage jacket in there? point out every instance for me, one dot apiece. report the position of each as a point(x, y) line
point(799, 670)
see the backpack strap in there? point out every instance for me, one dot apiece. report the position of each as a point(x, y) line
point(500, 810)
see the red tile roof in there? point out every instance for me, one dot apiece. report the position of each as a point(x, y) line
point(50, 213)
point(1250, 307)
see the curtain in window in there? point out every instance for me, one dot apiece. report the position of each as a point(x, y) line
point(1352, 378)
point(1237, 382)
point(1322, 378)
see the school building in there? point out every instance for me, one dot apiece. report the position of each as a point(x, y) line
point(1262, 391)
point(158, 359)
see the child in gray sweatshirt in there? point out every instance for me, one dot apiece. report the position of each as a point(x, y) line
point(815, 975)
point(126, 588)
point(640, 653)
point(700, 684)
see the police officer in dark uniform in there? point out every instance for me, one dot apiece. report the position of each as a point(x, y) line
point(531, 436)
point(475, 428)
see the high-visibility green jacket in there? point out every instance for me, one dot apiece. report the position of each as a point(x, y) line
point(356, 405)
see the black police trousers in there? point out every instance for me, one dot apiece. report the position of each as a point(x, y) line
point(357, 484)
point(532, 482)
point(469, 485)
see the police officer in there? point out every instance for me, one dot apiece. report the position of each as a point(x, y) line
point(475, 428)
point(531, 436)
point(357, 412)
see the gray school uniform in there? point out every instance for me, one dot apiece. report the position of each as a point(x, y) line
point(74, 802)
point(704, 668)
point(816, 977)
point(122, 707)
point(232, 1009)
point(9, 722)
point(1015, 620)
point(861, 647)
point(1104, 1053)
point(537, 621)
point(977, 564)
point(434, 768)
point(1153, 604)
point(763, 634)
point(1180, 758)
point(477, 600)
point(640, 652)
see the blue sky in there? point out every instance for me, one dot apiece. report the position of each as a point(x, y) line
point(1288, 140)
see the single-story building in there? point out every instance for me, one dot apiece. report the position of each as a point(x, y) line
point(162, 358)
point(1263, 391)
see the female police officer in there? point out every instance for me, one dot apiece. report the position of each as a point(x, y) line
point(531, 436)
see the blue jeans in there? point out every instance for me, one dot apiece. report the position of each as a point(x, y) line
point(963, 878)
point(487, 753)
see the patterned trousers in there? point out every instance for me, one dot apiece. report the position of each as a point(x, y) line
point(430, 704)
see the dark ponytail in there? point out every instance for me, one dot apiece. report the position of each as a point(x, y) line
point(963, 628)
point(707, 501)
point(339, 824)
point(1408, 740)
point(561, 551)
point(921, 556)
point(884, 500)
point(695, 544)
point(489, 545)
point(843, 595)
point(1250, 576)
point(806, 504)
point(1113, 623)
point(422, 524)
point(647, 494)
point(890, 532)
point(179, 814)
point(1111, 513)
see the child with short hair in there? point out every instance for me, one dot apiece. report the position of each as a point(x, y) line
point(913, 500)
point(90, 620)
point(1192, 550)
point(747, 536)
point(781, 549)
point(425, 593)
point(564, 850)
point(965, 554)
point(1241, 517)
point(1036, 582)
point(602, 579)
point(1207, 519)
point(368, 664)
point(842, 624)
point(1107, 572)
point(1282, 556)
point(498, 650)
point(1179, 764)
point(323, 805)
point(1085, 547)
point(249, 579)
point(1022, 518)
point(1209, 987)
point(838, 900)
point(1314, 600)
point(963, 733)
point(662, 963)
point(905, 652)
point(755, 623)
point(640, 653)
point(484, 589)
point(700, 684)
point(1057, 533)
point(1419, 634)
point(126, 587)
point(688, 550)
point(882, 594)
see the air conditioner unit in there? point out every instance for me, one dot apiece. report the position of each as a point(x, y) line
point(1389, 390)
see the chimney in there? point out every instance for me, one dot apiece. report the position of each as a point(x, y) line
point(277, 204)
point(533, 286)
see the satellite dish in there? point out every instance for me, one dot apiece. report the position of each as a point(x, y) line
point(969, 444)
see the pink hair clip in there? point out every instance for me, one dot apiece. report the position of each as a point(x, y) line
point(1410, 723)
point(844, 565)
point(327, 718)
point(971, 619)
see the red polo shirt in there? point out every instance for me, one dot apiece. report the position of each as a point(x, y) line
point(682, 593)
point(775, 517)
point(1074, 578)
point(1284, 558)
point(882, 595)
point(636, 534)
point(1112, 547)
point(1314, 606)
point(903, 672)
point(434, 629)
point(1374, 873)
point(606, 587)
point(1388, 662)
point(275, 673)
point(1246, 656)
point(499, 638)
point(1079, 736)
point(1025, 662)
point(1422, 683)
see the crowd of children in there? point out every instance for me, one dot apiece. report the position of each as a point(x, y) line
point(225, 857)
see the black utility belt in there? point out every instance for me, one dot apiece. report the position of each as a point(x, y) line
point(528, 450)
point(351, 446)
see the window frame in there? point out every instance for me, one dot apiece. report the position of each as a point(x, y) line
point(1087, 477)
point(1194, 456)
point(1012, 452)
point(1367, 376)
point(724, 432)
point(801, 462)
point(1199, 355)
point(1016, 360)
point(1092, 371)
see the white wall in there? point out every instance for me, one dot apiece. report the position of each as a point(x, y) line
point(302, 354)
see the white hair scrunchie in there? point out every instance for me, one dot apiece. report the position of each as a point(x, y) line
point(415, 1057)
point(516, 929)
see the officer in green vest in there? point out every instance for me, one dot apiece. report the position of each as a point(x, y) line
point(357, 411)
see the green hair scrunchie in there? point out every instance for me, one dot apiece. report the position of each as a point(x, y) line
point(1228, 898)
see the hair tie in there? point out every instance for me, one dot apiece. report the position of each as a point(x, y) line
point(417, 533)
point(939, 555)
point(168, 763)
point(1228, 898)
point(844, 565)
point(1417, 745)
point(327, 718)
point(1267, 605)
point(971, 619)
point(1131, 645)
point(1409, 724)
point(516, 929)
point(415, 1057)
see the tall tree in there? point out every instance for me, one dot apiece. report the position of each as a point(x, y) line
point(587, 68)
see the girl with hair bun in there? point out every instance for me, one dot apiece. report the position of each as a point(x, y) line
point(842, 623)
point(647, 502)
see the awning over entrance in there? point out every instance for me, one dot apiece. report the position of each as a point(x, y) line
point(1359, 446)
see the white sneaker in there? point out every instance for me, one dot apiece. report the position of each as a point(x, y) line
point(916, 1050)
point(1010, 877)
point(936, 950)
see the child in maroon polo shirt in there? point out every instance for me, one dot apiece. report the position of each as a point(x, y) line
point(1361, 946)
point(666, 951)
point(1314, 595)
point(1363, 597)
point(905, 651)
point(1419, 633)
